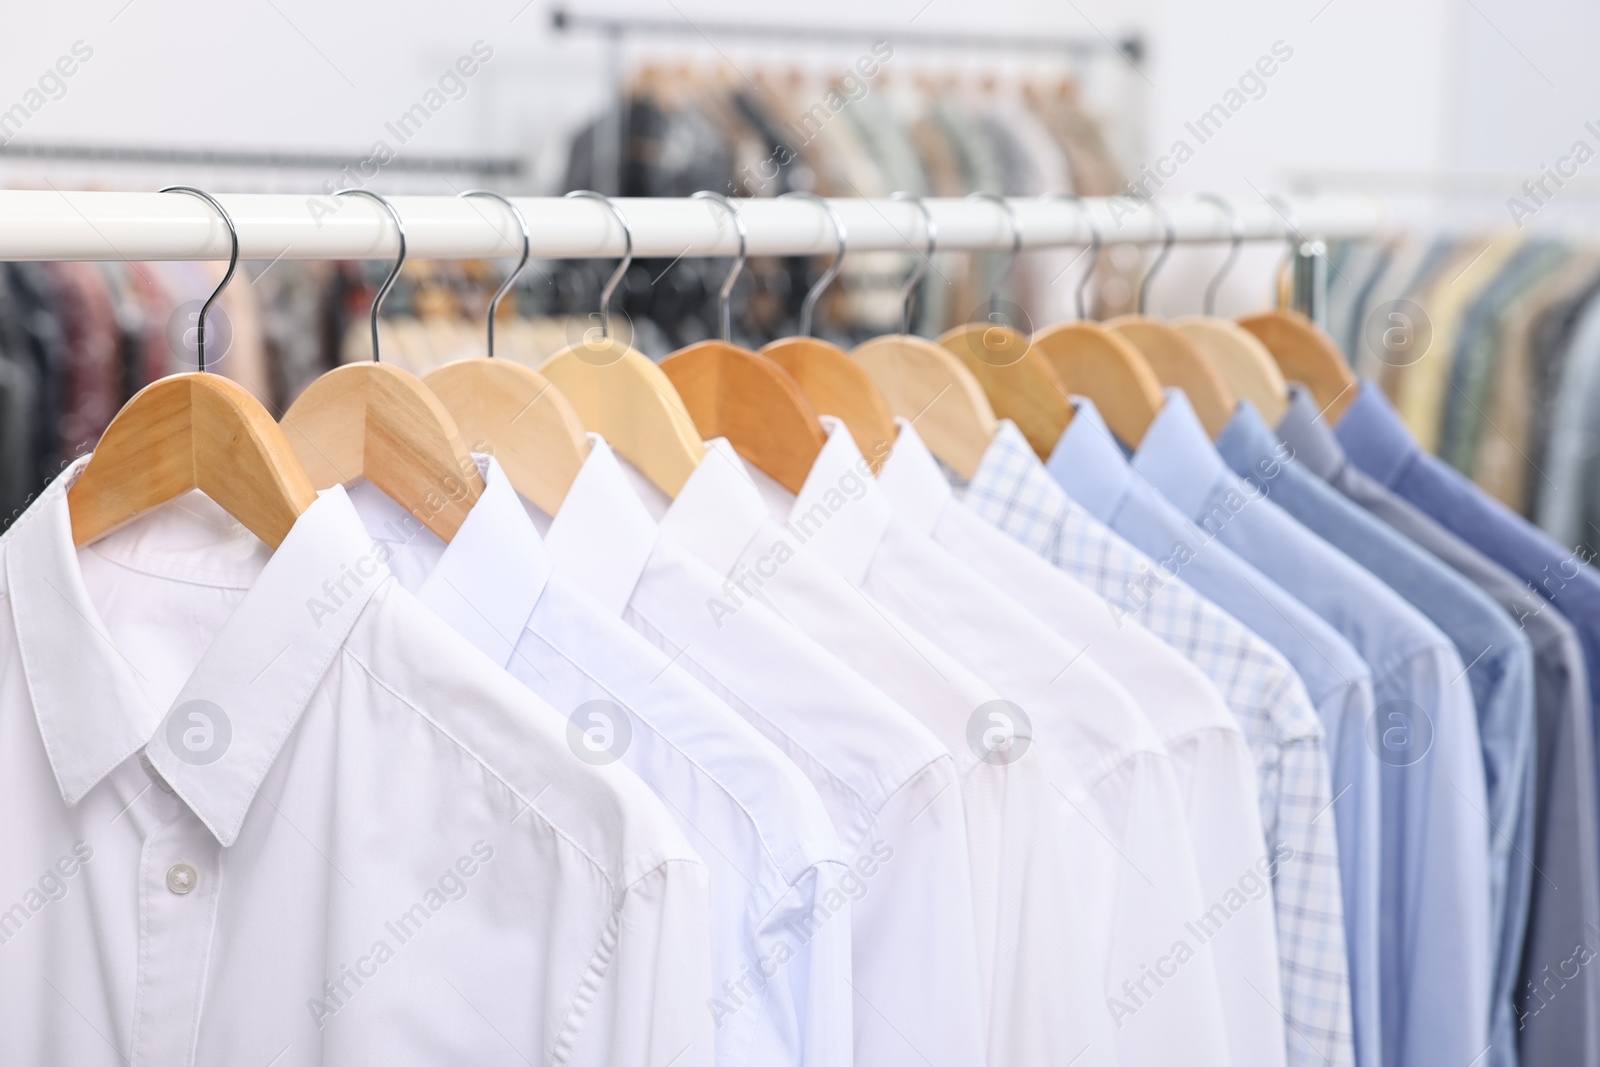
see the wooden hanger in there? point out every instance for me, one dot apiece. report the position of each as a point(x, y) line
point(927, 384)
point(192, 431)
point(1091, 361)
point(1242, 362)
point(377, 421)
point(513, 410)
point(1175, 359)
point(1017, 379)
point(834, 383)
point(1306, 354)
point(1303, 352)
point(735, 393)
point(622, 395)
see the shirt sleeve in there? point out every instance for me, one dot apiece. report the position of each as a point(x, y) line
point(801, 982)
point(645, 996)
point(1436, 976)
point(916, 850)
point(1161, 981)
point(1216, 777)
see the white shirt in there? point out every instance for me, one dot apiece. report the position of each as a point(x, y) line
point(890, 787)
point(1114, 792)
point(781, 988)
point(721, 513)
point(352, 838)
point(1215, 769)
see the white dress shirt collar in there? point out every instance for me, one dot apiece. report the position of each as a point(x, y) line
point(94, 711)
point(488, 606)
point(840, 511)
point(912, 479)
point(603, 534)
point(719, 510)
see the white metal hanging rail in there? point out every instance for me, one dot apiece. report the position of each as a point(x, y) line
point(56, 225)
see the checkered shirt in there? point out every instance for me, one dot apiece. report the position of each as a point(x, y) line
point(1012, 490)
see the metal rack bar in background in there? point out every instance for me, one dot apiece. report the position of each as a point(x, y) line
point(57, 225)
point(484, 166)
point(617, 29)
point(1082, 47)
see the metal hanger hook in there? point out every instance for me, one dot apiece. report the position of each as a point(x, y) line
point(522, 264)
point(1168, 236)
point(622, 268)
point(233, 264)
point(1236, 239)
point(394, 272)
point(725, 295)
point(1096, 246)
point(808, 309)
point(1016, 245)
point(920, 271)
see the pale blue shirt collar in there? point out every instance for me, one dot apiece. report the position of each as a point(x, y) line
point(1098, 468)
point(1177, 455)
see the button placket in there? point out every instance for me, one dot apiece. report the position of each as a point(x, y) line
point(180, 878)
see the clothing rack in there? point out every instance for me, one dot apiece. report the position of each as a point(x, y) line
point(617, 31)
point(481, 166)
point(616, 28)
point(63, 225)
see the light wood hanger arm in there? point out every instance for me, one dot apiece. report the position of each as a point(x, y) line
point(191, 431)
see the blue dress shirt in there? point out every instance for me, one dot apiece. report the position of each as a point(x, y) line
point(1377, 441)
point(1499, 670)
point(1558, 1014)
point(1435, 956)
point(1091, 467)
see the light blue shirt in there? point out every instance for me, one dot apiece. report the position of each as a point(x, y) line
point(1091, 467)
point(1436, 957)
point(1499, 661)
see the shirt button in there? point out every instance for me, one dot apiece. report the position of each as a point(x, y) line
point(181, 878)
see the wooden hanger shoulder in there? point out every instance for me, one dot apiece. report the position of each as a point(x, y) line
point(930, 386)
point(839, 386)
point(1242, 361)
point(1179, 363)
point(732, 392)
point(1020, 385)
point(377, 421)
point(192, 431)
point(1090, 360)
point(624, 397)
point(1306, 354)
point(515, 413)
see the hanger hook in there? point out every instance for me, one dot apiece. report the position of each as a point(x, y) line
point(1096, 246)
point(1236, 239)
point(622, 268)
point(808, 309)
point(1168, 236)
point(921, 269)
point(233, 264)
point(1016, 244)
point(511, 279)
point(725, 296)
point(394, 272)
point(1293, 235)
